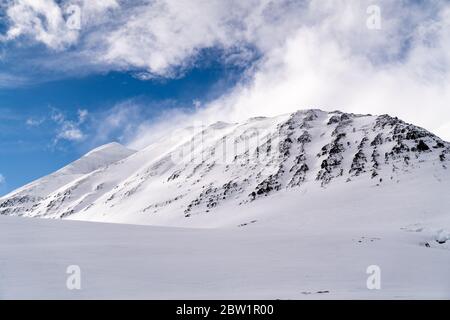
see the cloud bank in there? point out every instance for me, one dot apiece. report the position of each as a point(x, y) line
point(314, 54)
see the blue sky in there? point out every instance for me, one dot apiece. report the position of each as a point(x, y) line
point(111, 69)
point(30, 113)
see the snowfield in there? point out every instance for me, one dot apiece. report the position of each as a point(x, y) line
point(292, 251)
point(311, 202)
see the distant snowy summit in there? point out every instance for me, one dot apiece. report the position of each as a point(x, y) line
point(196, 171)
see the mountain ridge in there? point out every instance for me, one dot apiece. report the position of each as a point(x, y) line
point(226, 165)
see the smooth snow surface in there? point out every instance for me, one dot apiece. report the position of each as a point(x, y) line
point(317, 252)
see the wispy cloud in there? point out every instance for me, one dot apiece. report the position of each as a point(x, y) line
point(334, 61)
point(161, 37)
point(69, 129)
point(34, 122)
point(124, 121)
point(70, 132)
point(48, 21)
point(10, 81)
point(317, 53)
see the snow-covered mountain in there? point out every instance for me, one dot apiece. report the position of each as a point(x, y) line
point(31, 195)
point(235, 173)
point(291, 207)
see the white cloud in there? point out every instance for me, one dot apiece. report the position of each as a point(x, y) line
point(8, 80)
point(330, 65)
point(128, 122)
point(121, 119)
point(43, 20)
point(69, 130)
point(159, 36)
point(34, 122)
point(57, 116)
point(337, 63)
point(316, 53)
point(2, 180)
point(82, 115)
point(49, 22)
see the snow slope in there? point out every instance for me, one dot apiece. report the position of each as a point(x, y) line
point(299, 209)
point(290, 252)
point(199, 177)
point(27, 198)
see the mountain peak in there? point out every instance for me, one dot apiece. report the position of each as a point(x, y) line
point(233, 168)
point(97, 158)
point(111, 147)
point(100, 157)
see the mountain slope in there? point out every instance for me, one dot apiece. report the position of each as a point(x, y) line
point(301, 206)
point(27, 198)
point(199, 177)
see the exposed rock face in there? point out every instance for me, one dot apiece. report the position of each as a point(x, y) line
point(236, 164)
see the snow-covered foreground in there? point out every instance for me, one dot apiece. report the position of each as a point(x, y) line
point(304, 249)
